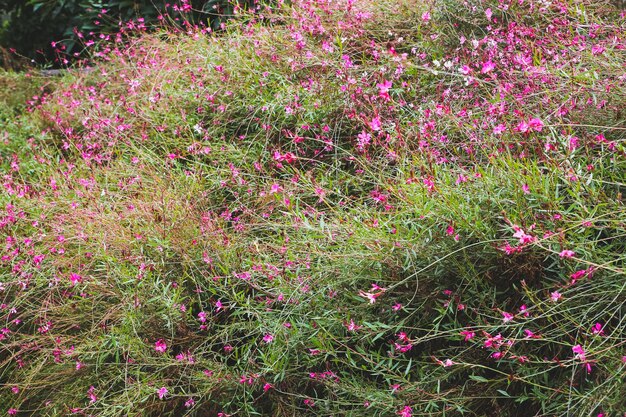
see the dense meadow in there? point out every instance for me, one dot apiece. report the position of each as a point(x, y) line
point(325, 208)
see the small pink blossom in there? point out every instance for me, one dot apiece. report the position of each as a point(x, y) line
point(522, 236)
point(162, 392)
point(535, 124)
point(567, 253)
point(597, 49)
point(426, 17)
point(522, 127)
point(555, 296)
point(446, 363)
point(488, 66)
point(352, 326)
point(276, 188)
point(160, 346)
point(363, 140)
point(468, 335)
point(383, 90)
point(268, 338)
point(579, 351)
point(499, 129)
point(507, 317)
point(597, 329)
point(405, 412)
point(375, 124)
point(75, 278)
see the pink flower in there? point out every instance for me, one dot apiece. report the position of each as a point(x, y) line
point(581, 274)
point(91, 395)
point(75, 278)
point(375, 124)
point(405, 412)
point(531, 335)
point(555, 296)
point(468, 335)
point(268, 338)
point(426, 17)
point(507, 317)
point(488, 66)
point(522, 236)
point(160, 346)
point(383, 89)
point(447, 363)
point(597, 329)
point(488, 13)
point(372, 296)
point(499, 129)
point(567, 254)
point(352, 326)
point(465, 70)
point(162, 392)
point(522, 127)
point(597, 49)
point(202, 317)
point(579, 351)
point(535, 124)
point(582, 356)
point(12, 411)
point(190, 403)
point(363, 139)
point(267, 387)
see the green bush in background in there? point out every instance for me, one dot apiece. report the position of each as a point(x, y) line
point(44, 30)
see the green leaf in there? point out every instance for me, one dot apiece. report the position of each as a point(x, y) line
point(506, 394)
point(478, 378)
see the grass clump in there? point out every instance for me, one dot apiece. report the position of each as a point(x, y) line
point(325, 210)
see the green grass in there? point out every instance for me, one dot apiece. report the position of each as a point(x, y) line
point(222, 175)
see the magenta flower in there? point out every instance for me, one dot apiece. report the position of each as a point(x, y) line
point(535, 124)
point(488, 66)
point(468, 335)
point(162, 392)
point(597, 329)
point(268, 338)
point(375, 124)
point(75, 278)
point(160, 346)
point(567, 254)
point(555, 296)
point(352, 326)
point(383, 90)
point(579, 351)
point(406, 412)
point(507, 317)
